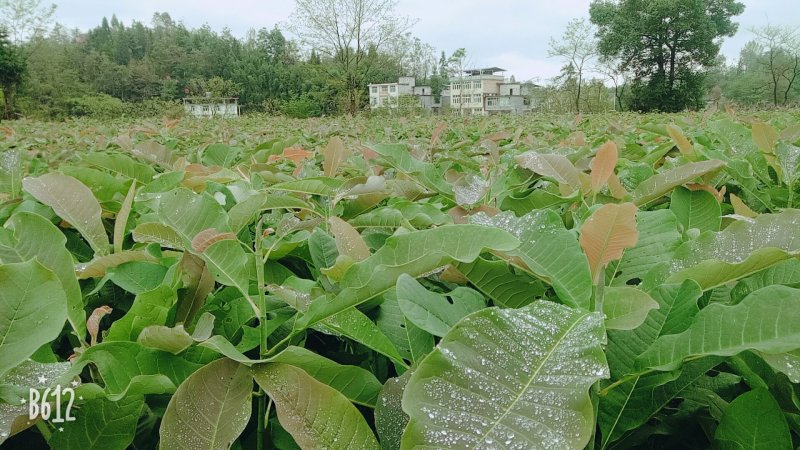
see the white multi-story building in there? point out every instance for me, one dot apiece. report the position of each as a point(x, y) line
point(486, 91)
point(405, 92)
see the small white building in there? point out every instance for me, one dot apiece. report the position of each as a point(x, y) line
point(486, 91)
point(404, 92)
point(211, 106)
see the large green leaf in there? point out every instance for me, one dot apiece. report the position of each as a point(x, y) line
point(357, 384)
point(550, 251)
point(390, 420)
point(73, 202)
point(768, 320)
point(663, 183)
point(413, 253)
point(316, 415)
point(743, 248)
point(100, 424)
point(658, 238)
point(128, 368)
point(504, 284)
point(753, 421)
point(210, 408)
point(433, 312)
point(188, 214)
point(33, 309)
point(633, 402)
point(696, 209)
point(35, 237)
point(428, 175)
point(504, 376)
point(149, 308)
point(626, 307)
point(412, 342)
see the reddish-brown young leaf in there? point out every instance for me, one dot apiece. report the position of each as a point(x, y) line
point(680, 139)
point(205, 238)
point(603, 165)
point(606, 235)
point(93, 322)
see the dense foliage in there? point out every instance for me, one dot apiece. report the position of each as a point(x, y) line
point(667, 45)
point(504, 282)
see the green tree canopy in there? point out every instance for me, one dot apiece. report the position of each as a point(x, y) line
point(12, 69)
point(667, 44)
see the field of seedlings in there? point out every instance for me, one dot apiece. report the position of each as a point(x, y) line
point(504, 282)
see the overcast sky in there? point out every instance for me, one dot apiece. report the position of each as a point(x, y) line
point(512, 34)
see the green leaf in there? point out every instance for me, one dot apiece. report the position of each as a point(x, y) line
point(357, 384)
point(787, 363)
point(658, 238)
point(411, 342)
point(73, 202)
point(663, 183)
point(786, 273)
point(743, 248)
point(100, 424)
point(322, 247)
point(428, 175)
point(556, 167)
point(358, 327)
point(316, 415)
point(390, 420)
point(768, 320)
point(138, 277)
point(550, 251)
point(157, 233)
point(753, 420)
point(626, 308)
point(503, 376)
point(128, 368)
point(173, 340)
point(33, 309)
point(433, 312)
point(149, 308)
point(506, 286)
point(210, 409)
point(632, 403)
point(402, 254)
point(35, 237)
point(120, 164)
point(696, 209)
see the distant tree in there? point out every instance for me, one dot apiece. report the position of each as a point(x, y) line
point(576, 47)
point(666, 44)
point(12, 69)
point(345, 31)
point(780, 59)
point(25, 19)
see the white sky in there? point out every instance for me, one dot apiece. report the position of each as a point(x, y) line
point(512, 34)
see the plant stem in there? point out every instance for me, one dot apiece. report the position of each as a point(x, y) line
point(262, 327)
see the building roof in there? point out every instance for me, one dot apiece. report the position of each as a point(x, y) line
point(484, 71)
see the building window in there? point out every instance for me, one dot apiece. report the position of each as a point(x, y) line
point(456, 99)
point(392, 88)
point(373, 101)
point(478, 84)
point(476, 98)
point(456, 86)
point(384, 89)
point(374, 89)
point(491, 101)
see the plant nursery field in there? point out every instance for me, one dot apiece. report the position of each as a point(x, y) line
point(527, 282)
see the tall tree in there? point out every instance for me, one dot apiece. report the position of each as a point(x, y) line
point(346, 31)
point(576, 47)
point(667, 44)
point(25, 19)
point(12, 69)
point(780, 59)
